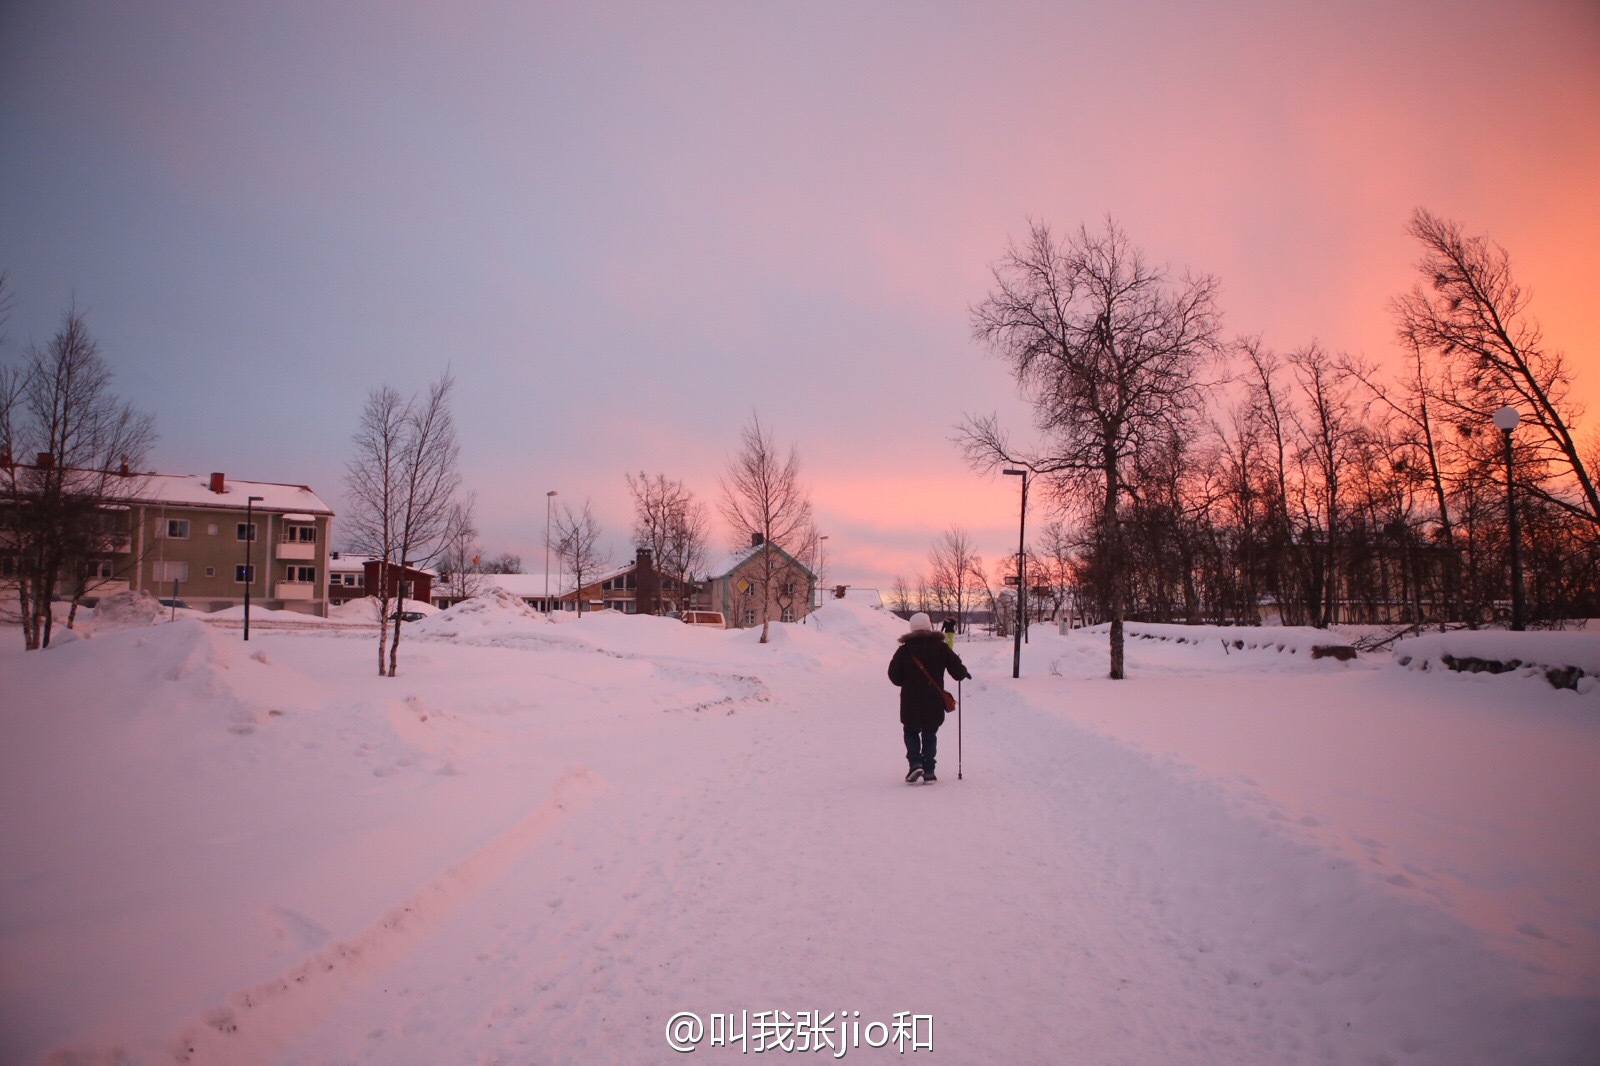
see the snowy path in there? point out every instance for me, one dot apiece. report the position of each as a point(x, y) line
point(610, 859)
point(1069, 900)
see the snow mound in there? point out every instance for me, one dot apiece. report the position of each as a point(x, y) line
point(126, 610)
point(857, 623)
point(492, 613)
point(493, 599)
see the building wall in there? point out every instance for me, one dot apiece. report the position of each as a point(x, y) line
point(742, 607)
point(288, 574)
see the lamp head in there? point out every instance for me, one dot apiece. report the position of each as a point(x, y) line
point(1507, 418)
point(552, 492)
point(1017, 473)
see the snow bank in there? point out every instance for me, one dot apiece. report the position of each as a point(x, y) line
point(1290, 640)
point(1566, 660)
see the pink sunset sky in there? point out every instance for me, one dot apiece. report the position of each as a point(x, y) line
point(626, 227)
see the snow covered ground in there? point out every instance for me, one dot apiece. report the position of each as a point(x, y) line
point(543, 841)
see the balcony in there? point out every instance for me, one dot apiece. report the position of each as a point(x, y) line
point(303, 551)
point(113, 543)
point(295, 590)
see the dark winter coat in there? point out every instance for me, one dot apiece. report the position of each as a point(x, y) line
point(922, 704)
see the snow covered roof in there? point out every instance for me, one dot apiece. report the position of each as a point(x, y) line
point(194, 490)
point(736, 559)
point(864, 597)
point(344, 562)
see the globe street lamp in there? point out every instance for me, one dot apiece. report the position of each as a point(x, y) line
point(1507, 419)
point(249, 565)
point(549, 500)
point(1022, 581)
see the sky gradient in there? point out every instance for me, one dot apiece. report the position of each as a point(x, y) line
point(626, 227)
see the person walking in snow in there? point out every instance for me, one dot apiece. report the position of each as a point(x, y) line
point(950, 630)
point(918, 668)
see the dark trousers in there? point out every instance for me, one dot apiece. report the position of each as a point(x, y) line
point(922, 745)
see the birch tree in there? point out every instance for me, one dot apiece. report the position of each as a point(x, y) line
point(404, 482)
point(1470, 312)
point(58, 513)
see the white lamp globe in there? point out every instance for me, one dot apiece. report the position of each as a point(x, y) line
point(1507, 418)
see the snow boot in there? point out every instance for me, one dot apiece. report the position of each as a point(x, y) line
point(913, 775)
point(929, 778)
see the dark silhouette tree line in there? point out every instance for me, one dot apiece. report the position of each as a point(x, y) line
point(1204, 480)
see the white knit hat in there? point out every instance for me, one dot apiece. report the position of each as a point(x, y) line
point(920, 623)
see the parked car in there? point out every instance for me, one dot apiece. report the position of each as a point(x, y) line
point(408, 616)
point(705, 618)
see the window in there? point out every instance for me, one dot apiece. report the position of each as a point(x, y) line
point(211, 571)
point(352, 579)
point(174, 528)
point(245, 531)
point(337, 603)
point(244, 575)
point(211, 529)
point(788, 614)
point(749, 616)
point(304, 575)
point(101, 569)
point(300, 535)
point(170, 571)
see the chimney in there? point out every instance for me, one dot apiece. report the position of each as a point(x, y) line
point(5, 458)
point(838, 591)
point(44, 460)
point(646, 583)
point(218, 484)
point(124, 470)
point(756, 539)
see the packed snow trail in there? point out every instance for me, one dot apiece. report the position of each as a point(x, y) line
point(1069, 900)
point(546, 842)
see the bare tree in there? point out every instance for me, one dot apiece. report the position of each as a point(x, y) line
point(1052, 566)
point(504, 563)
point(674, 526)
point(1108, 350)
point(1472, 313)
point(461, 567)
point(403, 483)
point(769, 510)
point(57, 515)
point(955, 567)
point(900, 596)
point(577, 543)
point(372, 483)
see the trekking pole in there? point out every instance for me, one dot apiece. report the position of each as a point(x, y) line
point(958, 729)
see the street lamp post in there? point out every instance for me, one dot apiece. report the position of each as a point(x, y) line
point(1507, 419)
point(1022, 580)
point(549, 500)
point(249, 556)
point(821, 556)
